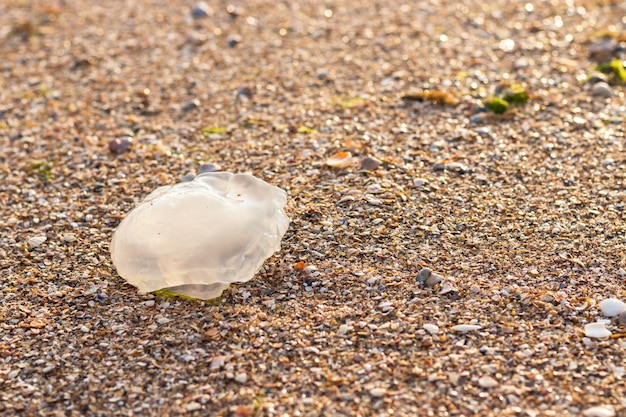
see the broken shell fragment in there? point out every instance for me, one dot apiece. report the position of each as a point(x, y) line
point(597, 330)
point(196, 238)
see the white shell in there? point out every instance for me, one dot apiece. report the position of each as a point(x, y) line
point(597, 330)
point(464, 328)
point(197, 237)
point(431, 328)
point(599, 412)
point(612, 307)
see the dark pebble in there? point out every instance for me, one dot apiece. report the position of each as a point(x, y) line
point(188, 177)
point(208, 168)
point(369, 164)
point(191, 105)
point(200, 10)
point(424, 274)
point(233, 41)
point(121, 144)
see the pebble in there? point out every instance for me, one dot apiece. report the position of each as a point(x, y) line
point(69, 237)
point(598, 77)
point(233, 41)
point(622, 318)
point(149, 303)
point(163, 320)
point(121, 144)
point(191, 105)
point(431, 328)
point(344, 329)
point(423, 274)
point(378, 392)
point(433, 280)
point(487, 382)
point(369, 164)
point(241, 377)
point(597, 330)
point(599, 411)
point(601, 89)
point(84, 329)
point(188, 177)
point(201, 10)
point(464, 328)
point(37, 240)
point(612, 307)
point(217, 362)
point(193, 406)
point(208, 168)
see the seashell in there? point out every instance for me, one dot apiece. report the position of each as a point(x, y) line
point(612, 307)
point(195, 238)
point(597, 330)
point(340, 160)
point(464, 328)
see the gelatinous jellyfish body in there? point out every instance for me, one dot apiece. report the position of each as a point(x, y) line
point(196, 238)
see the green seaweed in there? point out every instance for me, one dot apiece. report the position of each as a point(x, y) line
point(515, 95)
point(43, 168)
point(497, 105)
point(213, 130)
point(615, 71)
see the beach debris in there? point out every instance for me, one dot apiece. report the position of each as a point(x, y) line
point(196, 238)
point(340, 160)
point(597, 330)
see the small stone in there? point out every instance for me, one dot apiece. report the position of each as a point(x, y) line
point(241, 377)
point(378, 392)
point(48, 369)
point(322, 75)
point(431, 328)
point(193, 406)
point(149, 303)
point(420, 182)
point(601, 89)
point(597, 330)
point(37, 241)
point(487, 382)
point(598, 77)
point(208, 168)
point(191, 105)
point(612, 307)
point(424, 274)
point(433, 280)
point(69, 237)
point(120, 145)
point(84, 329)
point(622, 318)
point(369, 164)
point(233, 41)
point(599, 411)
point(464, 328)
point(188, 177)
point(163, 320)
point(217, 362)
point(344, 329)
point(201, 10)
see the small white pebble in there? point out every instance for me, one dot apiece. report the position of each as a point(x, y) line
point(378, 392)
point(241, 377)
point(463, 328)
point(13, 374)
point(84, 329)
point(69, 237)
point(217, 362)
point(612, 307)
point(344, 329)
point(597, 330)
point(163, 320)
point(193, 406)
point(37, 240)
point(487, 382)
point(599, 411)
point(148, 303)
point(431, 328)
